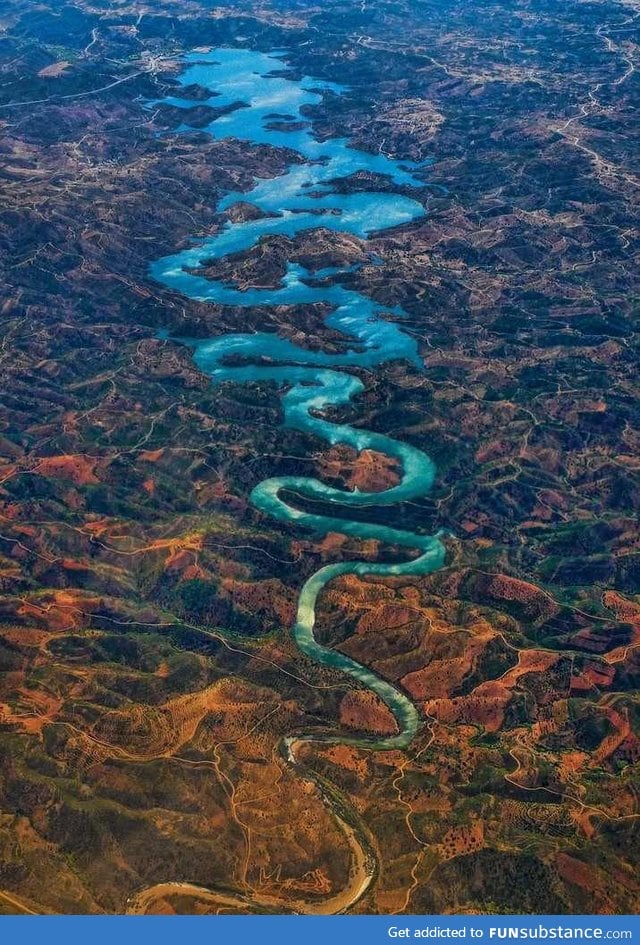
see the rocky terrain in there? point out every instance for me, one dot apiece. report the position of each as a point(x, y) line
point(148, 671)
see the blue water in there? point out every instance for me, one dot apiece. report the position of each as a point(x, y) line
point(303, 198)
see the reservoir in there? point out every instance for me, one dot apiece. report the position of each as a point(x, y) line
point(262, 100)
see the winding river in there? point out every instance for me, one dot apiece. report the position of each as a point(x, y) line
point(261, 103)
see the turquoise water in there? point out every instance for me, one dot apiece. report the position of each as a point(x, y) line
point(300, 199)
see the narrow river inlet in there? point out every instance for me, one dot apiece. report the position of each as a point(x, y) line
point(264, 101)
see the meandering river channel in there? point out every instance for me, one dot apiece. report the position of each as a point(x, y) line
point(267, 101)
